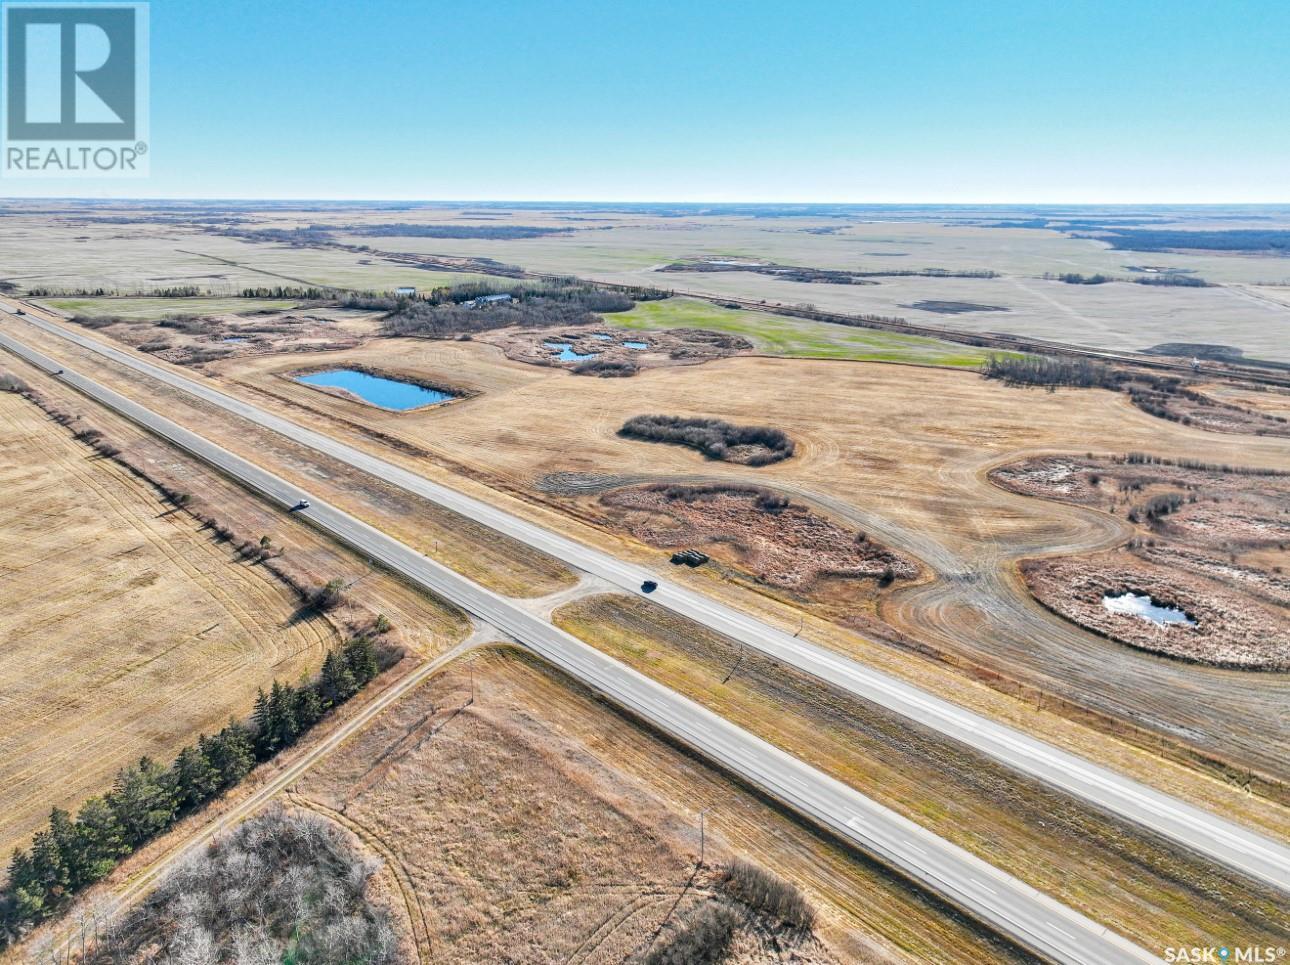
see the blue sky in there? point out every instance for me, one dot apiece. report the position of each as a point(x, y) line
point(935, 101)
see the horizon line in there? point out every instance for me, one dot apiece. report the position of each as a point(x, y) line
point(637, 201)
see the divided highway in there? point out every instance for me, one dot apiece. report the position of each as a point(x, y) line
point(1215, 837)
point(1007, 904)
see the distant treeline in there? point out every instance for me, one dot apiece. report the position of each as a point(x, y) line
point(148, 798)
point(1172, 280)
point(712, 437)
point(289, 293)
point(184, 291)
point(444, 314)
point(1236, 239)
point(279, 292)
point(163, 219)
point(313, 235)
point(1047, 371)
point(1075, 278)
point(1074, 224)
point(831, 276)
point(318, 234)
point(505, 232)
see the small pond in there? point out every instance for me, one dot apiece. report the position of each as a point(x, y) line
point(233, 338)
point(602, 336)
point(567, 354)
point(387, 393)
point(639, 346)
point(1139, 605)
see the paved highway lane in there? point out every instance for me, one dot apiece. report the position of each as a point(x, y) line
point(1206, 833)
point(1002, 901)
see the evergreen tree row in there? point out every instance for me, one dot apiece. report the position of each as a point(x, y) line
point(289, 292)
point(148, 797)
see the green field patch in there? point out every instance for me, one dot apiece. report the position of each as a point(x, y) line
point(799, 337)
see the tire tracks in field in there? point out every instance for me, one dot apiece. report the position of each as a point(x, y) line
point(420, 925)
point(141, 882)
point(111, 491)
point(977, 609)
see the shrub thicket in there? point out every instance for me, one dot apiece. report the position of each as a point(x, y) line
point(607, 368)
point(750, 445)
point(283, 886)
point(764, 499)
point(1172, 280)
point(328, 596)
point(1048, 371)
point(767, 893)
point(97, 321)
point(1075, 278)
point(703, 936)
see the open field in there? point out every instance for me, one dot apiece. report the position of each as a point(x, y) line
point(496, 448)
point(637, 242)
point(467, 406)
point(1098, 866)
point(1120, 315)
point(1273, 402)
point(154, 309)
point(192, 337)
point(156, 631)
point(493, 560)
point(535, 825)
point(795, 337)
point(1251, 311)
point(66, 255)
point(901, 457)
point(159, 631)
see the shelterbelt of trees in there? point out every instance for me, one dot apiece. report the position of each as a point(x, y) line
point(453, 311)
point(148, 797)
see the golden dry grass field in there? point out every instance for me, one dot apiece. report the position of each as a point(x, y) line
point(132, 628)
point(912, 473)
point(536, 825)
point(902, 454)
point(1074, 853)
point(131, 631)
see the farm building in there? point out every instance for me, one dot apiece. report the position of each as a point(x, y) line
point(487, 300)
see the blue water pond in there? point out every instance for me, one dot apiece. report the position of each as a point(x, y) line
point(387, 393)
point(567, 354)
point(639, 346)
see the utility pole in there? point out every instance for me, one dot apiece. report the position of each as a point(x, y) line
point(703, 835)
